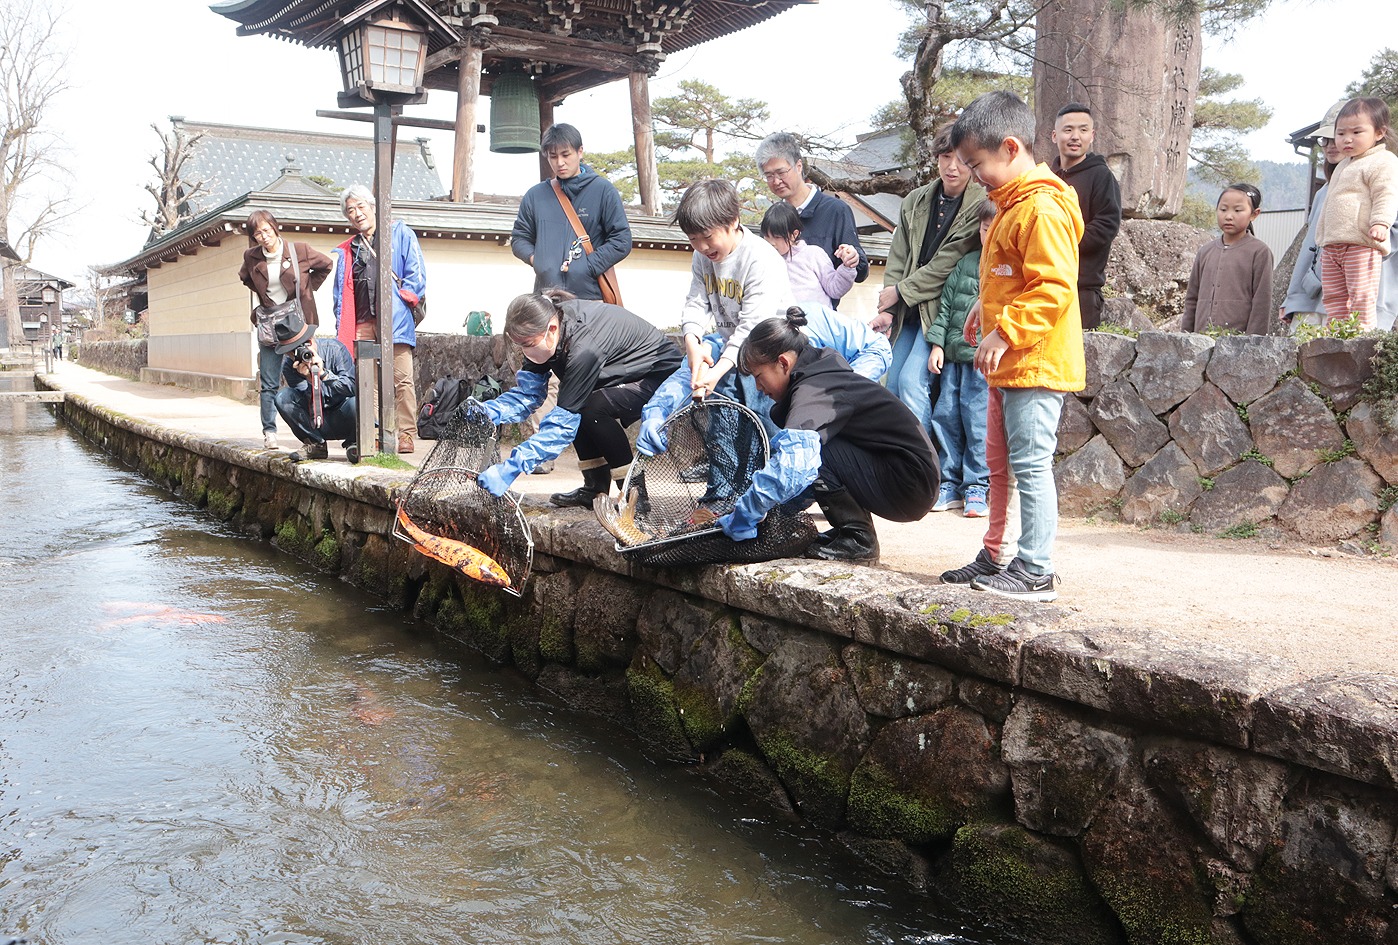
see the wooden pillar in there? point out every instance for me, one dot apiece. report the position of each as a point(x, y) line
point(545, 123)
point(468, 93)
point(647, 177)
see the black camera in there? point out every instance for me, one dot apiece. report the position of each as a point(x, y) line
point(302, 353)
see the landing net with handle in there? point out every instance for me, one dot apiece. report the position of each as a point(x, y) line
point(444, 502)
point(671, 502)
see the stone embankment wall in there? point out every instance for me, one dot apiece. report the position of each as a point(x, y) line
point(1075, 785)
point(1239, 436)
point(125, 358)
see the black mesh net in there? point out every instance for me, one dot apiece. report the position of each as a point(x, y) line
point(446, 516)
point(673, 500)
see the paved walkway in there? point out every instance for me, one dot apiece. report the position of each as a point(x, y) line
point(1324, 610)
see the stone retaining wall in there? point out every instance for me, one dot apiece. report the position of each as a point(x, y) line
point(1238, 435)
point(124, 358)
point(1069, 783)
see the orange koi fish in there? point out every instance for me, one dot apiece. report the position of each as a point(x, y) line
point(469, 561)
point(155, 613)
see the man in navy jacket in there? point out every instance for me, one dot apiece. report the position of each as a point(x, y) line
point(826, 221)
point(544, 238)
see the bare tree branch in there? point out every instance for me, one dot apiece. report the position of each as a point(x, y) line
point(173, 193)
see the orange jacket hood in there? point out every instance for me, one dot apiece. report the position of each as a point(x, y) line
point(1029, 283)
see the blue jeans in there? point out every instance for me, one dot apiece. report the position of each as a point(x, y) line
point(908, 378)
point(269, 378)
point(958, 426)
point(1021, 437)
point(295, 408)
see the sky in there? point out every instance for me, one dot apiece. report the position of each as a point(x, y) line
point(824, 68)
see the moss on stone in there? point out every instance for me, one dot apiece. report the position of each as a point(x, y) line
point(327, 551)
point(991, 620)
point(811, 776)
point(655, 711)
point(1003, 870)
point(555, 642)
point(222, 505)
point(1148, 915)
point(879, 809)
point(702, 724)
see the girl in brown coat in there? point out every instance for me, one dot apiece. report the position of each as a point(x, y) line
point(268, 252)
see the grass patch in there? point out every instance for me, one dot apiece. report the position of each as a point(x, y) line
point(386, 461)
point(1334, 456)
point(1240, 531)
point(1342, 328)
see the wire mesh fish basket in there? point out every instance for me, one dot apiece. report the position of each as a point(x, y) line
point(672, 501)
point(445, 515)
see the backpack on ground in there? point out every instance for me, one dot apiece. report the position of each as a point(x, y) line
point(446, 395)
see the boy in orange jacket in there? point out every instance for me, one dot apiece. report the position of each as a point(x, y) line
point(1031, 349)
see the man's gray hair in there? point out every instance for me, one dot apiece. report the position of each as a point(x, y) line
point(779, 145)
point(357, 192)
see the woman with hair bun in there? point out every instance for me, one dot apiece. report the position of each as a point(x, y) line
point(846, 443)
point(608, 360)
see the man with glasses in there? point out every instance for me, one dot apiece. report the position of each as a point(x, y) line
point(825, 220)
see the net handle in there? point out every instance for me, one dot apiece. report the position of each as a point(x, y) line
point(711, 398)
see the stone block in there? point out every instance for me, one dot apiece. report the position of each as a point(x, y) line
point(1335, 501)
point(805, 715)
point(1009, 877)
point(1347, 724)
point(604, 623)
point(1074, 425)
point(750, 774)
point(1090, 478)
point(1168, 483)
point(671, 623)
point(1169, 366)
point(1233, 797)
point(1209, 430)
point(924, 777)
point(1108, 356)
point(989, 699)
point(1339, 365)
point(1291, 426)
point(1373, 441)
point(892, 687)
point(829, 596)
point(1188, 687)
point(1128, 423)
point(1247, 366)
point(718, 664)
point(957, 628)
point(1061, 763)
point(1388, 530)
point(1249, 493)
point(1144, 860)
point(1324, 878)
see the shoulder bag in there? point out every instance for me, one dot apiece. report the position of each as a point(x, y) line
point(611, 291)
point(268, 315)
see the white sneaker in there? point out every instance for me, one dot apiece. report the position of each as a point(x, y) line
point(269, 440)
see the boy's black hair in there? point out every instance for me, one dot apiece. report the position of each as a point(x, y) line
point(992, 118)
point(560, 136)
point(708, 205)
point(1374, 109)
point(941, 143)
point(1072, 107)
point(986, 210)
point(773, 337)
point(781, 220)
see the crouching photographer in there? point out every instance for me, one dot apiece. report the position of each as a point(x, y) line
point(318, 399)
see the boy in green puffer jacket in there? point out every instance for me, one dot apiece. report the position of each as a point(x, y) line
point(959, 415)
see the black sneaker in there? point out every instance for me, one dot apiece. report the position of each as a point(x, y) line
point(1018, 583)
point(310, 451)
point(981, 567)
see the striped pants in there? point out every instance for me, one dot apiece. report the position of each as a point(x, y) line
point(1021, 437)
point(1349, 282)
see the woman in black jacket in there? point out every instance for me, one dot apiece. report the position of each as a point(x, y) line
point(846, 443)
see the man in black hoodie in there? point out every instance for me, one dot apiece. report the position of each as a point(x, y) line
point(1099, 197)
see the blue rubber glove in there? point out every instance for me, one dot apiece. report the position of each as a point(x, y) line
point(651, 439)
point(495, 480)
point(737, 527)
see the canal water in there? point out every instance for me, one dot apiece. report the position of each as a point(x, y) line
point(203, 740)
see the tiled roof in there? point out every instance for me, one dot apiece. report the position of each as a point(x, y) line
point(877, 152)
point(237, 160)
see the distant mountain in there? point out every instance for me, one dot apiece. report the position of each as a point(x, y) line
point(1283, 186)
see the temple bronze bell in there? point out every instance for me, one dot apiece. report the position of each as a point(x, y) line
point(514, 114)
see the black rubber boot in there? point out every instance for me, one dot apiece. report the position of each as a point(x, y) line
point(852, 536)
point(596, 481)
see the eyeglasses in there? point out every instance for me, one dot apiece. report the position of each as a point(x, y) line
point(773, 175)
